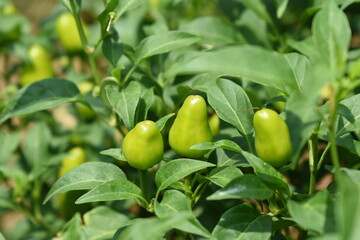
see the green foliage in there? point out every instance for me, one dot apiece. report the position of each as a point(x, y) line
point(141, 60)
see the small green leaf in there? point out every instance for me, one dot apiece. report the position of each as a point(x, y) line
point(350, 144)
point(9, 143)
point(126, 5)
point(212, 30)
point(232, 105)
point(102, 222)
point(145, 101)
point(246, 186)
point(125, 102)
point(176, 170)
point(115, 153)
point(35, 147)
point(40, 95)
point(349, 115)
point(221, 176)
point(348, 205)
point(149, 228)
point(230, 158)
point(316, 213)
point(243, 222)
point(162, 121)
point(112, 49)
point(259, 8)
point(73, 229)
point(5, 199)
point(175, 202)
point(268, 174)
point(86, 176)
point(281, 7)
point(162, 43)
point(224, 144)
point(118, 189)
point(331, 36)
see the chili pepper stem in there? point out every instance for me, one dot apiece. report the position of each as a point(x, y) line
point(144, 184)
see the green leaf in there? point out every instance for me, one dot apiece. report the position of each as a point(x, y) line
point(146, 100)
point(353, 174)
point(299, 65)
point(221, 176)
point(162, 43)
point(162, 121)
point(256, 29)
point(176, 170)
point(246, 186)
point(175, 202)
point(149, 228)
point(316, 213)
point(249, 62)
point(259, 8)
point(302, 113)
point(127, 5)
point(268, 174)
point(86, 176)
point(73, 229)
point(281, 7)
point(223, 143)
point(5, 199)
point(118, 189)
point(232, 105)
point(305, 46)
point(348, 206)
point(36, 145)
point(348, 120)
point(349, 115)
point(9, 143)
point(40, 95)
point(331, 36)
point(1, 236)
point(102, 222)
point(243, 222)
point(112, 49)
point(230, 158)
point(19, 177)
point(125, 102)
point(212, 30)
point(350, 144)
point(202, 81)
point(115, 153)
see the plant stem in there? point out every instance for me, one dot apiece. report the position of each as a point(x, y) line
point(132, 69)
point(333, 104)
point(334, 153)
point(313, 160)
point(144, 184)
point(88, 50)
point(323, 156)
point(199, 192)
